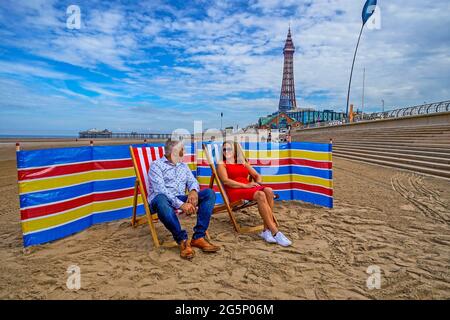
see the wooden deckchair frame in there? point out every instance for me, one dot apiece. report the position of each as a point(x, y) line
point(149, 217)
point(231, 207)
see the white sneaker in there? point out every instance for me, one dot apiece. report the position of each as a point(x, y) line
point(282, 240)
point(267, 235)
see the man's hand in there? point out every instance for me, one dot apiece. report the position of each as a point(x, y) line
point(188, 208)
point(193, 198)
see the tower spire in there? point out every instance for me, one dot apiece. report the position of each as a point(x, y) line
point(287, 95)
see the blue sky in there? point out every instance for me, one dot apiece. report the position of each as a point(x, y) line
point(154, 66)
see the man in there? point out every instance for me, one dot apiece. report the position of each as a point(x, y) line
point(168, 179)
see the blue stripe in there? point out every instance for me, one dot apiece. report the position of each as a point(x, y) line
point(111, 185)
point(47, 157)
point(116, 214)
point(314, 198)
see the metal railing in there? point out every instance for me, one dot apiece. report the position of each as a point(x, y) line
point(436, 107)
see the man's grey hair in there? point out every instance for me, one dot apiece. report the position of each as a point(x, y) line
point(170, 145)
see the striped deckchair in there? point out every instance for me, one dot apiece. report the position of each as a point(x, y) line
point(142, 158)
point(213, 152)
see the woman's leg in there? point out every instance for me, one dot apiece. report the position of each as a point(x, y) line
point(265, 211)
point(269, 197)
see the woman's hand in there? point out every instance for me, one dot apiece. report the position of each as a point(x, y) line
point(252, 185)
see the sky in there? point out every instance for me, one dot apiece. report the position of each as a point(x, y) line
point(155, 66)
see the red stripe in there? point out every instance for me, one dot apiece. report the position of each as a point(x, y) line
point(74, 203)
point(53, 171)
point(161, 151)
point(139, 167)
point(146, 159)
point(189, 158)
point(311, 163)
point(153, 152)
point(116, 164)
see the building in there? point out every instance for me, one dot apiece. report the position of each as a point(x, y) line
point(95, 133)
point(278, 120)
point(298, 118)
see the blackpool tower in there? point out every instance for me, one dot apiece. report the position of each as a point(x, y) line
point(287, 96)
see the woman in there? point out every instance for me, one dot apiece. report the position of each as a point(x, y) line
point(233, 172)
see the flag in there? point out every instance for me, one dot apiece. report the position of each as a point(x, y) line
point(368, 10)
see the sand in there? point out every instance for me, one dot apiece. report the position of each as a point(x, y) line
point(396, 220)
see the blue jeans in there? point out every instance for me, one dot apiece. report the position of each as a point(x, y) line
point(166, 214)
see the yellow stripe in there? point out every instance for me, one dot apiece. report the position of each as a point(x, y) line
point(300, 179)
point(204, 180)
point(68, 180)
point(77, 213)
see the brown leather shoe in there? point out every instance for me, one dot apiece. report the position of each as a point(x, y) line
point(186, 252)
point(206, 246)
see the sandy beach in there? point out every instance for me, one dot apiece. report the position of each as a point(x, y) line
point(396, 220)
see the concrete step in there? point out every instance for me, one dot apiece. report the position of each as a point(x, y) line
point(397, 155)
point(397, 150)
point(418, 163)
point(418, 169)
point(403, 130)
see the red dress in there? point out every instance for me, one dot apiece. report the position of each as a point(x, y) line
point(238, 172)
